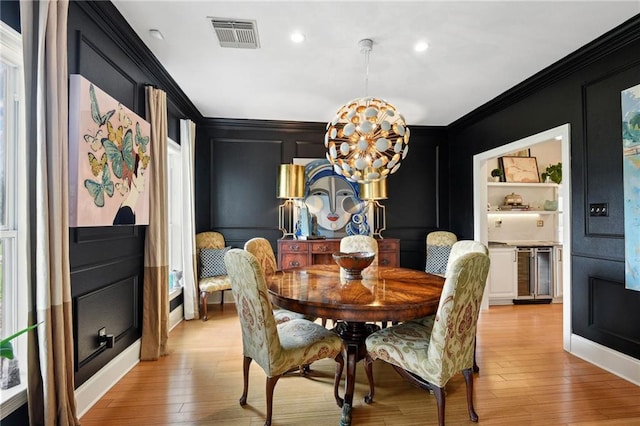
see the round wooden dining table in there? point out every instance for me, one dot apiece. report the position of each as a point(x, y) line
point(383, 294)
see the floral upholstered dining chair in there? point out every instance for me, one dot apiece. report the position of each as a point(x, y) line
point(212, 274)
point(277, 348)
point(262, 250)
point(458, 249)
point(463, 247)
point(428, 354)
point(439, 245)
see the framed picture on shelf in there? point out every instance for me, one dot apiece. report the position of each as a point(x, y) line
point(522, 153)
point(520, 169)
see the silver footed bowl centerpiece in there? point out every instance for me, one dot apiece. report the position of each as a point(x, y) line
point(353, 263)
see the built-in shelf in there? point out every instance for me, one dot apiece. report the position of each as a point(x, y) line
point(532, 185)
point(516, 212)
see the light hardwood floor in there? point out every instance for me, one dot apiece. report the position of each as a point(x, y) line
point(525, 379)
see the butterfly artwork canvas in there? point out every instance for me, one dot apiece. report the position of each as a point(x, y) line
point(109, 159)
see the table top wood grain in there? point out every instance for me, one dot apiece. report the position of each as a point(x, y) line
point(384, 293)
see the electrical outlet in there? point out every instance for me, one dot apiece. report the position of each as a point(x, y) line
point(540, 223)
point(498, 223)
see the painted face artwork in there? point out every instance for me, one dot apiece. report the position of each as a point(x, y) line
point(332, 200)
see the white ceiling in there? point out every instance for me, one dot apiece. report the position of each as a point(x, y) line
point(478, 50)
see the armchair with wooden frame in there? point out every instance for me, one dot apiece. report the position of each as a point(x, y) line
point(212, 276)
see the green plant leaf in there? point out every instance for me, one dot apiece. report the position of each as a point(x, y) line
point(6, 349)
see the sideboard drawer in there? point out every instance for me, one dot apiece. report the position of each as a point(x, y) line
point(293, 247)
point(298, 253)
point(325, 246)
point(386, 258)
point(389, 245)
point(293, 260)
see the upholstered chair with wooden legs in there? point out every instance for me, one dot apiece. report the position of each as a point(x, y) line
point(429, 354)
point(458, 249)
point(212, 275)
point(262, 250)
point(277, 348)
point(463, 247)
point(439, 245)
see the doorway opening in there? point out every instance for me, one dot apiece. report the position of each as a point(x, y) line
point(481, 163)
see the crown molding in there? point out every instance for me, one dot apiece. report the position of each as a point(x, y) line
point(614, 40)
point(107, 16)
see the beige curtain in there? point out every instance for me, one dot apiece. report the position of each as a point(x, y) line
point(155, 304)
point(50, 385)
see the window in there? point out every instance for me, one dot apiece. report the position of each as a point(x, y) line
point(174, 188)
point(13, 211)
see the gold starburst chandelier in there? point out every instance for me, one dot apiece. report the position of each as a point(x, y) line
point(368, 138)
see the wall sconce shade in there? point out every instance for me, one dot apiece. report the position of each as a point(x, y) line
point(290, 181)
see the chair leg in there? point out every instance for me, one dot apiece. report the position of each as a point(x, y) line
point(368, 368)
point(271, 383)
point(245, 378)
point(222, 298)
point(468, 378)
point(203, 297)
point(336, 381)
point(475, 364)
point(439, 393)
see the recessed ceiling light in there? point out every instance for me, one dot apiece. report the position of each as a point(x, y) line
point(297, 37)
point(156, 34)
point(421, 46)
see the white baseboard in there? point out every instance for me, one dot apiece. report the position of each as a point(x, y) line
point(93, 389)
point(176, 316)
point(499, 301)
point(612, 361)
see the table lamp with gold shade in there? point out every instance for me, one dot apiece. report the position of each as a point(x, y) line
point(372, 192)
point(290, 188)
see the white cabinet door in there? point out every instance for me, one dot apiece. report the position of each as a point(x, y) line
point(502, 276)
point(558, 253)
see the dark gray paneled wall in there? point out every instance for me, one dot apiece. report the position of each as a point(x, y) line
point(107, 262)
point(236, 165)
point(584, 91)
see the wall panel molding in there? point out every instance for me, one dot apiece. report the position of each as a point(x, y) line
point(97, 234)
point(104, 308)
point(83, 40)
point(598, 298)
point(603, 150)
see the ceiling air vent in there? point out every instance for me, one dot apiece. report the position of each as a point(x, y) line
point(236, 33)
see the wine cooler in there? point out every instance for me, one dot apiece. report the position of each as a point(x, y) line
point(535, 275)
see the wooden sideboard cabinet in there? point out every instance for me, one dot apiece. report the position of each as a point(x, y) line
point(296, 253)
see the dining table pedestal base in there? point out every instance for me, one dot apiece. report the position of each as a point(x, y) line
point(384, 294)
point(354, 335)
